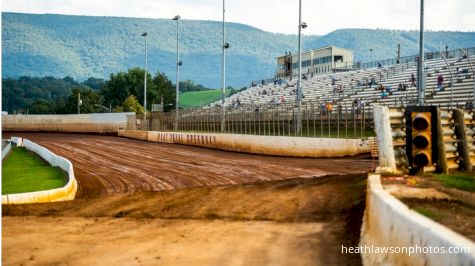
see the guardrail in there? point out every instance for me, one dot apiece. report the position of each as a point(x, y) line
point(68, 192)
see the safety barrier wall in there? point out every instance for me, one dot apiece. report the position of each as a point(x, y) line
point(87, 123)
point(389, 223)
point(68, 192)
point(269, 145)
point(6, 149)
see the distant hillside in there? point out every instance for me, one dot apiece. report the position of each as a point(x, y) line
point(82, 46)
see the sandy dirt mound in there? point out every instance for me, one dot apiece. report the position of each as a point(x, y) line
point(290, 222)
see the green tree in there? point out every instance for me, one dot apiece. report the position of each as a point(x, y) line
point(163, 87)
point(42, 107)
point(91, 101)
point(131, 104)
point(123, 84)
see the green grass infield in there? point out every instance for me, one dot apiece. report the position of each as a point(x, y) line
point(25, 171)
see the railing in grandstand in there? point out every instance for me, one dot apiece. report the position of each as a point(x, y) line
point(414, 58)
point(407, 61)
point(318, 120)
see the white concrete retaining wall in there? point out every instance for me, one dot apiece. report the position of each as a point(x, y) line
point(269, 145)
point(68, 192)
point(18, 141)
point(93, 123)
point(6, 150)
point(389, 223)
point(387, 161)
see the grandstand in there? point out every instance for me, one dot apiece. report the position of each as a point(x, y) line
point(347, 86)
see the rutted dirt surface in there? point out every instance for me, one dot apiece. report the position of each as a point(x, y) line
point(106, 165)
point(198, 207)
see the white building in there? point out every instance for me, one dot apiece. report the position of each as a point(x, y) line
point(316, 61)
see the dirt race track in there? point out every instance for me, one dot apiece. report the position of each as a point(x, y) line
point(143, 203)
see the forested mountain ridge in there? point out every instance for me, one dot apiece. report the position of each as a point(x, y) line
point(84, 46)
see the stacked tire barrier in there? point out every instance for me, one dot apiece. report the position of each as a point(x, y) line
point(81, 123)
point(389, 223)
point(455, 141)
point(267, 145)
point(68, 192)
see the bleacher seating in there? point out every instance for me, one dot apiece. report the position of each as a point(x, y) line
point(319, 87)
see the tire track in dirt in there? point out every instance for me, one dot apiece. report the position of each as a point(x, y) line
point(107, 165)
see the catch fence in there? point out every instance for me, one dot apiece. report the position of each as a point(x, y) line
point(318, 120)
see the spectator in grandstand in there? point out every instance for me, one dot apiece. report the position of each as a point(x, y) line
point(379, 65)
point(399, 87)
point(413, 80)
point(282, 99)
point(324, 108)
point(389, 90)
point(373, 81)
point(333, 80)
point(362, 102)
point(384, 94)
point(440, 82)
point(329, 107)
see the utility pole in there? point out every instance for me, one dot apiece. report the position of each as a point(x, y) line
point(399, 53)
point(223, 92)
point(79, 103)
point(302, 25)
point(145, 80)
point(178, 64)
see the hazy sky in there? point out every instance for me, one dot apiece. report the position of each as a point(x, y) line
point(275, 15)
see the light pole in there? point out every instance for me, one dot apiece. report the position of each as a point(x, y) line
point(223, 70)
point(178, 64)
point(420, 66)
point(145, 80)
point(371, 56)
point(302, 25)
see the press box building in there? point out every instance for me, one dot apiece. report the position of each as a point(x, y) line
point(316, 61)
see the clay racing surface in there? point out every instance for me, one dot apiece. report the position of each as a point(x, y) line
point(143, 203)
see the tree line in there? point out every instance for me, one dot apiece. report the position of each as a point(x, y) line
point(123, 92)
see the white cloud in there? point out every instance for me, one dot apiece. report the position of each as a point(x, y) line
point(276, 16)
